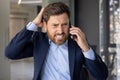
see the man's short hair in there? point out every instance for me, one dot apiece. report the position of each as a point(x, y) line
point(56, 8)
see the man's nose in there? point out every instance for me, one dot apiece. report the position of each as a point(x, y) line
point(60, 29)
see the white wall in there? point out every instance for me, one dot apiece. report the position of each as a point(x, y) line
point(29, 10)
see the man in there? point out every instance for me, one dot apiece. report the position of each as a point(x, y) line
point(60, 53)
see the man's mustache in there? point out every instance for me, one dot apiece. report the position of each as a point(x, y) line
point(60, 34)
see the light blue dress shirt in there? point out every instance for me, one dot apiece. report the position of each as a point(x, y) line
point(56, 65)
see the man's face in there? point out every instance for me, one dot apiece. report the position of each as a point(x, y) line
point(57, 28)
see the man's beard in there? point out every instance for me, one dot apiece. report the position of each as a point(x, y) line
point(58, 38)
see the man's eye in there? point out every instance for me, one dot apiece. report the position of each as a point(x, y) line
point(54, 25)
point(65, 25)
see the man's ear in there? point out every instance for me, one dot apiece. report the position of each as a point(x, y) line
point(44, 26)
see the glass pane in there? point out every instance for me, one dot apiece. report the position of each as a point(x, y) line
point(110, 36)
point(114, 16)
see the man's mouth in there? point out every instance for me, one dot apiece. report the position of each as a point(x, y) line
point(60, 37)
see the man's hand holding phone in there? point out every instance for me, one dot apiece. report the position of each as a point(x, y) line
point(79, 37)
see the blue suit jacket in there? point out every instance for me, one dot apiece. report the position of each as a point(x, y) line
point(35, 44)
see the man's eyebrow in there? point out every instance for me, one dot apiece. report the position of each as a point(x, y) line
point(55, 23)
point(65, 23)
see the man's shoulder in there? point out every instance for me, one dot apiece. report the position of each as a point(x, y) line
point(40, 36)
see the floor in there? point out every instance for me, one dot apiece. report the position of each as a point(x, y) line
point(22, 70)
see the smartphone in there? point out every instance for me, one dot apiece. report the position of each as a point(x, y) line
point(72, 36)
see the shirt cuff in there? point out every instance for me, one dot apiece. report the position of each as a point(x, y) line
point(89, 54)
point(31, 26)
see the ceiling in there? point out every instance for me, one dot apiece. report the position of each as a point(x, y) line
point(27, 2)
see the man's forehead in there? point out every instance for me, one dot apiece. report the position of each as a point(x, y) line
point(57, 19)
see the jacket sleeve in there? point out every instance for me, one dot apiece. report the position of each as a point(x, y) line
point(21, 46)
point(97, 68)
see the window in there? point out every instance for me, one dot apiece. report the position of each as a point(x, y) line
point(110, 36)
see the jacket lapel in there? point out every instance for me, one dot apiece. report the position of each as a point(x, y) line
point(71, 51)
point(43, 46)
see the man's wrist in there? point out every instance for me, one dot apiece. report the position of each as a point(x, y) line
point(86, 49)
point(89, 54)
point(31, 26)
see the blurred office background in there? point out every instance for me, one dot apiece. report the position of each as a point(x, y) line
point(99, 19)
